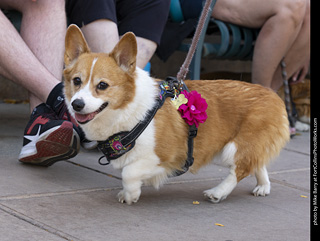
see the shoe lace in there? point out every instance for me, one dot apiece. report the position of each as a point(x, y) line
point(63, 114)
point(46, 112)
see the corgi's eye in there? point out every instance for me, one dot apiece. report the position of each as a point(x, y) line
point(102, 86)
point(77, 81)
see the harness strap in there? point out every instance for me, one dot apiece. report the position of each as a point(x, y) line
point(189, 162)
point(120, 143)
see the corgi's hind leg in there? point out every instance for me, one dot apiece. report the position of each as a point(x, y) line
point(221, 191)
point(263, 183)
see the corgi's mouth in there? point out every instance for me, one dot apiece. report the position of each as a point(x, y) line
point(85, 118)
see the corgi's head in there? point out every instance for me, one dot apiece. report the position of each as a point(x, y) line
point(98, 82)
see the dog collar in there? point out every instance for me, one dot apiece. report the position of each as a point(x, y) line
point(121, 143)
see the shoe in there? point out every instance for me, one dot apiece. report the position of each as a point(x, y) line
point(63, 114)
point(48, 139)
point(56, 102)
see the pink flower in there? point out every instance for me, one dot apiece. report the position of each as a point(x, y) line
point(194, 112)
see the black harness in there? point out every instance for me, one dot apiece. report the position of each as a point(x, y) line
point(120, 143)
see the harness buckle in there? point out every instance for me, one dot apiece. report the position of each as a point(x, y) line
point(193, 131)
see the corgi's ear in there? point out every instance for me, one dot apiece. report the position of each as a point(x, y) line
point(75, 44)
point(125, 52)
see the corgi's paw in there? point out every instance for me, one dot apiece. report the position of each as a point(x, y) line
point(127, 197)
point(214, 195)
point(261, 190)
point(302, 126)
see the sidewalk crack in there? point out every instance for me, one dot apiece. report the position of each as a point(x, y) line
point(37, 224)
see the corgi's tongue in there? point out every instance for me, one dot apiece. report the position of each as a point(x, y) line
point(82, 119)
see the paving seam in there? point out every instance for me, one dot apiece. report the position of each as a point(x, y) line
point(52, 194)
point(295, 151)
point(289, 185)
point(92, 169)
point(37, 224)
point(83, 191)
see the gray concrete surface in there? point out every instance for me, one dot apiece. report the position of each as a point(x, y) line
point(76, 199)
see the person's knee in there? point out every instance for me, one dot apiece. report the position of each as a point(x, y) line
point(293, 10)
point(43, 5)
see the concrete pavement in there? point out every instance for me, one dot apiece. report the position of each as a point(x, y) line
point(76, 199)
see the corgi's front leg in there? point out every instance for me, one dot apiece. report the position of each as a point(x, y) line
point(136, 173)
point(132, 179)
point(129, 196)
point(131, 182)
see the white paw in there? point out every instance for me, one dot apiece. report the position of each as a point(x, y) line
point(128, 198)
point(214, 195)
point(261, 190)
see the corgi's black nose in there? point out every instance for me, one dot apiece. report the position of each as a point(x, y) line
point(78, 104)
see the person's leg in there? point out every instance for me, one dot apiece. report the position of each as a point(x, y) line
point(102, 35)
point(98, 23)
point(297, 58)
point(35, 61)
point(280, 23)
point(18, 63)
point(146, 49)
point(43, 29)
point(146, 19)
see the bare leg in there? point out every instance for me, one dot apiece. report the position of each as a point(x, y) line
point(280, 23)
point(34, 59)
point(146, 49)
point(298, 56)
point(43, 29)
point(102, 35)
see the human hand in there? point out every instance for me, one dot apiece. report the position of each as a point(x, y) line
point(301, 73)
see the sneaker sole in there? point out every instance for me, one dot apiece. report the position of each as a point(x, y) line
point(61, 144)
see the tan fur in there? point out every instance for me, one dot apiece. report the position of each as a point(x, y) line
point(106, 68)
point(250, 115)
point(300, 93)
point(75, 45)
point(118, 82)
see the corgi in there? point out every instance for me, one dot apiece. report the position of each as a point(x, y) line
point(246, 124)
point(300, 93)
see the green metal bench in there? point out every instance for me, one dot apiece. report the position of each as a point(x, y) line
point(236, 43)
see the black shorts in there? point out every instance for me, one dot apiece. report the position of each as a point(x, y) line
point(145, 18)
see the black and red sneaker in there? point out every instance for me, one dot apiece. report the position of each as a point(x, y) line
point(48, 139)
point(56, 102)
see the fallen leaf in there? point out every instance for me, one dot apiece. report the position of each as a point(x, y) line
point(219, 224)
